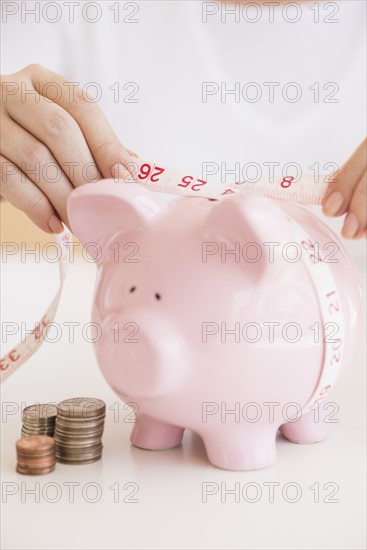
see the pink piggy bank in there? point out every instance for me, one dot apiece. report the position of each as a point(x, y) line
point(227, 317)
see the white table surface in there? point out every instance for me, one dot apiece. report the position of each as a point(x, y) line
point(169, 512)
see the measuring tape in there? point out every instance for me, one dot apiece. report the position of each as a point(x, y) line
point(23, 351)
point(331, 312)
point(304, 190)
point(160, 179)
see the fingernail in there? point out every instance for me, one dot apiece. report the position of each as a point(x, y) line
point(119, 172)
point(362, 233)
point(55, 224)
point(132, 154)
point(333, 203)
point(351, 226)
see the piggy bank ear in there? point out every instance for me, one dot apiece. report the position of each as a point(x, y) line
point(247, 218)
point(98, 211)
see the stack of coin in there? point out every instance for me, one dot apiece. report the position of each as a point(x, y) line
point(35, 454)
point(39, 419)
point(78, 430)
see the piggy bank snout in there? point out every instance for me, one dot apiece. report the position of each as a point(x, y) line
point(143, 353)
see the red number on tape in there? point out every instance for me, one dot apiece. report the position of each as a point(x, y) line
point(287, 181)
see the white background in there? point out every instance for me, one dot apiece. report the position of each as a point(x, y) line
point(169, 53)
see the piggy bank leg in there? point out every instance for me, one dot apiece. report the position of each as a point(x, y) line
point(242, 449)
point(149, 433)
point(310, 428)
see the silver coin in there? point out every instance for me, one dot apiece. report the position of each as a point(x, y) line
point(80, 420)
point(40, 412)
point(24, 433)
point(73, 437)
point(81, 407)
point(77, 446)
point(78, 449)
point(70, 461)
point(33, 418)
point(79, 433)
point(79, 457)
point(65, 440)
point(78, 426)
point(35, 431)
point(38, 424)
point(37, 428)
point(76, 456)
point(78, 430)
point(77, 442)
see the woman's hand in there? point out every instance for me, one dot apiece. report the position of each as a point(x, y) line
point(347, 193)
point(52, 139)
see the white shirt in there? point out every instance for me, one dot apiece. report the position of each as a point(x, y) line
point(164, 52)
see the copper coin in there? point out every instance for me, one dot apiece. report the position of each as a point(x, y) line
point(36, 464)
point(34, 443)
point(35, 471)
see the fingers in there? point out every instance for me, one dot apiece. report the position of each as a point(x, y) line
point(56, 129)
point(43, 128)
point(35, 160)
point(355, 223)
point(102, 141)
point(346, 193)
point(18, 189)
point(340, 191)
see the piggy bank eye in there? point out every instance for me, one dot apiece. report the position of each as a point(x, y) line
point(132, 289)
point(157, 296)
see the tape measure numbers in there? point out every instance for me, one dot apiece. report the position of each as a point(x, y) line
point(165, 180)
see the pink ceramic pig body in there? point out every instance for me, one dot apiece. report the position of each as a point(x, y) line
point(180, 317)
